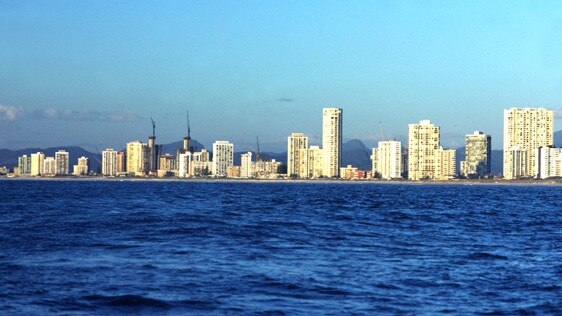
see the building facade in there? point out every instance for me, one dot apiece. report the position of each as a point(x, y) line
point(109, 162)
point(478, 156)
point(295, 143)
point(121, 163)
point(525, 130)
point(137, 158)
point(447, 163)
point(24, 164)
point(548, 162)
point(62, 159)
point(332, 141)
point(49, 166)
point(423, 151)
point(37, 161)
point(246, 166)
point(223, 157)
point(82, 168)
point(386, 160)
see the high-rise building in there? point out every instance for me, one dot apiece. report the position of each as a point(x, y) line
point(137, 158)
point(246, 166)
point(49, 166)
point(121, 165)
point(62, 160)
point(387, 160)
point(478, 156)
point(184, 164)
point(423, 151)
point(295, 142)
point(223, 157)
point(446, 164)
point(549, 162)
point(24, 164)
point(311, 162)
point(37, 161)
point(332, 141)
point(524, 131)
point(201, 164)
point(109, 162)
point(81, 169)
point(166, 165)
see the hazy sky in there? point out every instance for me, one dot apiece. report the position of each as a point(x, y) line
point(92, 73)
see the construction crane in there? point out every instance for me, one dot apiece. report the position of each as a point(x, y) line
point(153, 127)
point(382, 131)
point(188, 127)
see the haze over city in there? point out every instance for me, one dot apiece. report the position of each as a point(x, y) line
point(92, 73)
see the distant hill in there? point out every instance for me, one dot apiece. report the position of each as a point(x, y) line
point(355, 153)
point(9, 158)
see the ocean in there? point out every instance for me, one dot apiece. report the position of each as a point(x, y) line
point(278, 248)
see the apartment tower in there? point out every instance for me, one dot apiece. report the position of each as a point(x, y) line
point(524, 131)
point(295, 143)
point(423, 151)
point(332, 141)
point(387, 160)
point(478, 156)
point(223, 157)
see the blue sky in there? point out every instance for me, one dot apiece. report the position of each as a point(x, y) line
point(92, 73)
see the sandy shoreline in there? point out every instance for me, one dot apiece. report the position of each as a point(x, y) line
point(546, 182)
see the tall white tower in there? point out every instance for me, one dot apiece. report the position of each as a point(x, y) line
point(332, 141)
point(295, 142)
point(525, 130)
point(223, 157)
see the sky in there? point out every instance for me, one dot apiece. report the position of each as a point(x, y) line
point(93, 73)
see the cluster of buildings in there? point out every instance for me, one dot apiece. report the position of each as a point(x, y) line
point(314, 162)
point(37, 164)
point(528, 152)
point(146, 159)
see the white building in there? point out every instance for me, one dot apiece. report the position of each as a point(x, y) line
point(184, 165)
point(549, 162)
point(223, 157)
point(62, 162)
point(49, 166)
point(332, 141)
point(525, 130)
point(387, 160)
point(109, 162)
point(81, 169)
point(446, 164)
point(246, 166)
point(423, 151)
point(295, 142)
point(37, 161)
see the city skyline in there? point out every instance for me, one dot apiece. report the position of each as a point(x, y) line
point(92, 73)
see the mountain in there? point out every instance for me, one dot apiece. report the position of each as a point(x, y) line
point(355, 153)
point(9, 158)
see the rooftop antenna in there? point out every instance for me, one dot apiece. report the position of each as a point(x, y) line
point(382, 131)
point(153, 127)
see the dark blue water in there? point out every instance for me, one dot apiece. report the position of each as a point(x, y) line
point(110, 247)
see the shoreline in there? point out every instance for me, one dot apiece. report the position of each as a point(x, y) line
point(530, 182)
